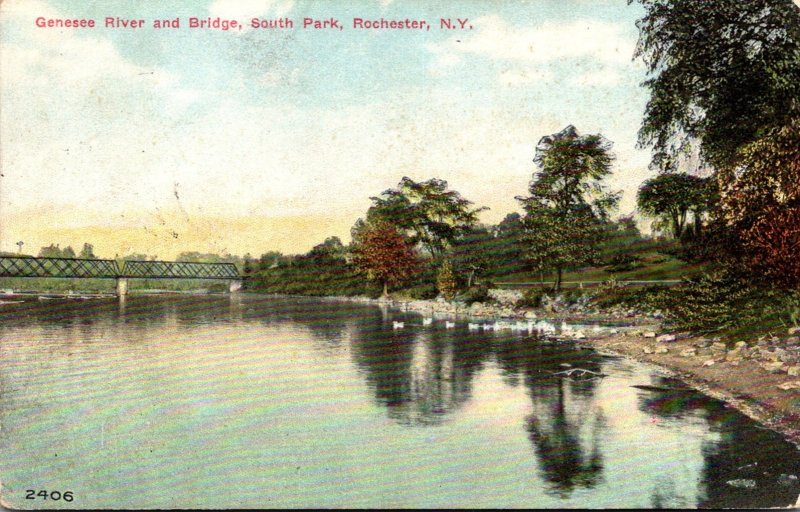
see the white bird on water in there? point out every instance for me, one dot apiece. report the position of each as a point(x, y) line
point(449, 325)
point(488, 327)
point(473, 327)
point(427, 321)
point(398, 325)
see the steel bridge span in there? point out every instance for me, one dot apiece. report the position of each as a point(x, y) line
point(29, 266)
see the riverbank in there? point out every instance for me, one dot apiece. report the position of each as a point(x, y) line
point(760, 378)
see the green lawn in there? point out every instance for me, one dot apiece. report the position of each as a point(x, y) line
point(652, 264)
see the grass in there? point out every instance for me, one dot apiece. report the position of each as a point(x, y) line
point(652, 263)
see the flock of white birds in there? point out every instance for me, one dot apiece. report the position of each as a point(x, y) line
point(540, 327)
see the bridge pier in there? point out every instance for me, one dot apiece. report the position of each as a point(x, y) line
point(235, 286)
point(122, 286)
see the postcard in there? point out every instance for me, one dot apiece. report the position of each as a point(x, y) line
point(399, 253)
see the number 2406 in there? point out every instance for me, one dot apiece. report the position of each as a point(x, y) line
point(53, 495)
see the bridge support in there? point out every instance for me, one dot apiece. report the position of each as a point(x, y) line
point(122, 286)
point(235, 286)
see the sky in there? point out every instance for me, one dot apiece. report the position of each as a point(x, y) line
point(159, 141)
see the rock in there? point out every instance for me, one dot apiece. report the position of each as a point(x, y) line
point(689, 352)
point(734, 363)
point(666, 338)
point(718, 347)
point(662, 350)
point(774, 367)
point(788, 480)
point(786, 386)
point(647, 350)
point(789, 358)
point(530, 315)
point(793, 330)
point(793, 340)
point(579, 335)
point(733, 355)
point(739, 345)
point(742, 483)
point(614, 331)
point(649, 334)
point(710, 362)
point(794, 371)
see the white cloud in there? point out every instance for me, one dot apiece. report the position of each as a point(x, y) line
point(495, 38)
point(602, 78)
point(522, 77)
point(243, 10)
point(534, 51)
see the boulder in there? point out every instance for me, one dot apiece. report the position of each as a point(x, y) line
point(739, 345)
point(647, 350)
point(662, 350)
point(793, 371)
point(649, 334)
point(710, 362)
point(689, 352)
point(793, 330)
point(734, 355)
point(666, 338)
point(786, 386)
point(773, 367)
point(718, 347)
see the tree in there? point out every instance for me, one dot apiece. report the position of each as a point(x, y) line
point(51, 251)
point(331, 248)
point(671, 197)
point(446, 280)
point(87, 252)
point(432, 214)
point(567, 207)
point(385, 255)
point(760, 203)
point(721, 74)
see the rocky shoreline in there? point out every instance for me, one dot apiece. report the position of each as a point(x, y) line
point(760, 377)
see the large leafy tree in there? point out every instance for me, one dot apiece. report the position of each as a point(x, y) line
point(384, 255)
point(433, 215)
point(672, 196)
point(721, 74)
point(568, 206)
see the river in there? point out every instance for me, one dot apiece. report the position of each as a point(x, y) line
point(251, 401)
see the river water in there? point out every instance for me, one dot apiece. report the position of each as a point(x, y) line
point(251, 401)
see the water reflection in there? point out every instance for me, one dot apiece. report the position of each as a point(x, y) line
point(741, 451)
point(565, 424)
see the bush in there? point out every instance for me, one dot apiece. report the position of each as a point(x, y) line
point(623, 263)
point(424, 291)
point(728, 304)
point(478, 293)
point(532, 297)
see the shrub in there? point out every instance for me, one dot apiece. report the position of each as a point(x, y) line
point(474, 294)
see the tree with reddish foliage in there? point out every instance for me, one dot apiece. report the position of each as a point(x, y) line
point(774, 240)
point(760, 203)
point(385, 255)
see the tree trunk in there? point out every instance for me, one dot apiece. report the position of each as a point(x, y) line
point(385, 288)
point(469, 279)
point(559, 275)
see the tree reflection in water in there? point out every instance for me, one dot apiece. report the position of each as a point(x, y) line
point(742, 450)
point(565, 425)
point(420, 376)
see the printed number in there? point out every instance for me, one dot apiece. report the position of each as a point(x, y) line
point(31, 494)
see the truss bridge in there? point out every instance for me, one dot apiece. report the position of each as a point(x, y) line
point(28, 266)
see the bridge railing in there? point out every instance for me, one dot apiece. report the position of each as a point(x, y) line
point(28, 266)
point(179, 270)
